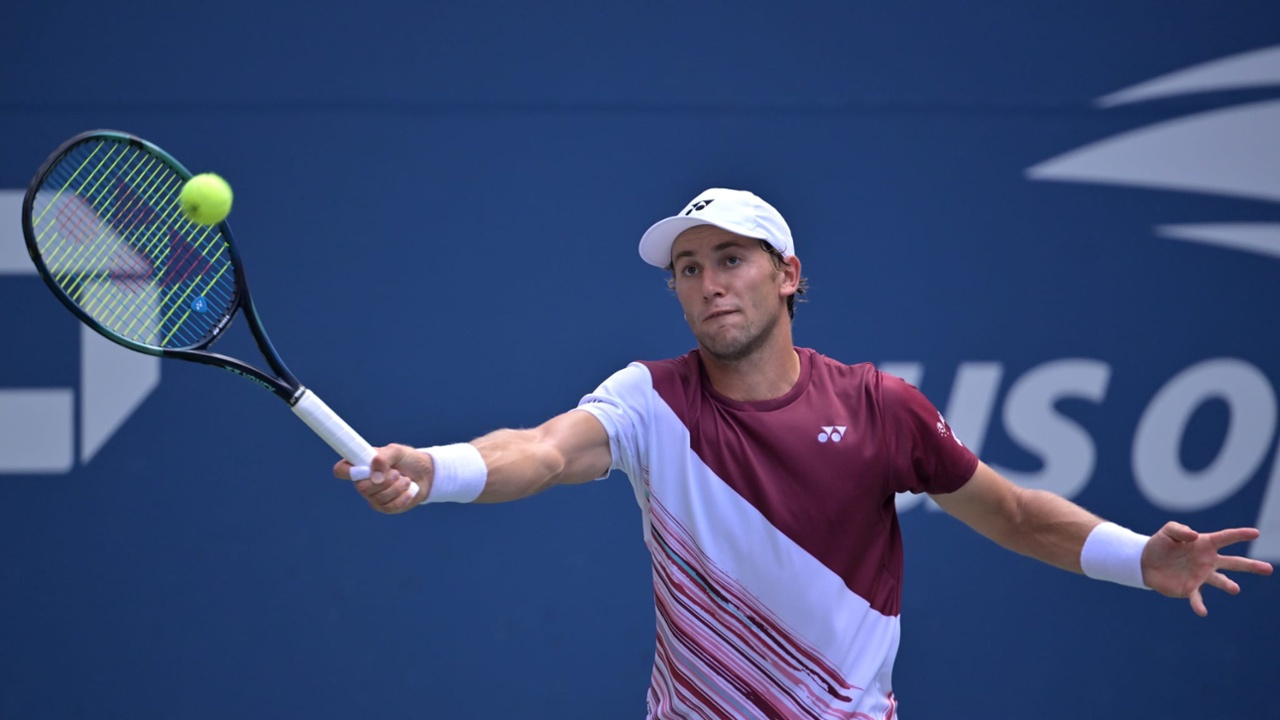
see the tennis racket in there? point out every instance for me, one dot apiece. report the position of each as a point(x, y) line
point(103, 225)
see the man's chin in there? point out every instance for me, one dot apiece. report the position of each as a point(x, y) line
point(726, 350)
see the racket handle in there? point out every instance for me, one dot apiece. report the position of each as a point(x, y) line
point(335, 431)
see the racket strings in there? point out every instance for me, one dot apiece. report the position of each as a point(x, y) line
point(94, 255)
point(140, 218)
point(110, 232)
point(124, 267)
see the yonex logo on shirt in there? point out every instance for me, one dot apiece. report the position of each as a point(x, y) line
point(832, 433)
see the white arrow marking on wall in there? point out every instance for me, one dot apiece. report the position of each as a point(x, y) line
point(1232, 152)
point(37, 425)
point(1253, 69)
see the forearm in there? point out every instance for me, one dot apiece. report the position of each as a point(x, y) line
point(569, 448)
point(519, 465)
point(1046, 527)
point(1034, 523)
point(1176, 561)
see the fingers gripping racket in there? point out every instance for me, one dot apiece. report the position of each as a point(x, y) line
point(103, 225)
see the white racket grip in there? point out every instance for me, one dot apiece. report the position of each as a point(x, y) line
point(336, 432)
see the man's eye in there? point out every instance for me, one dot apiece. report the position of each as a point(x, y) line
point(688, 270)
point(732, 260)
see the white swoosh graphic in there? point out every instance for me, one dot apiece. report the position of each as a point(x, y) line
point(1233, 152)
point(1259, 238)
point(1257, 68)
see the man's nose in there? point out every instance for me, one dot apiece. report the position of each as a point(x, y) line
point(711, 285)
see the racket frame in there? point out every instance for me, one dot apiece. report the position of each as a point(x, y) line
point(305, 404)
point(284, 384)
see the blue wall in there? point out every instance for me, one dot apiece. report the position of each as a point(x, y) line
point(438, 209)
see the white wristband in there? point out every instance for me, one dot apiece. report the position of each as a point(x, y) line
point(1114, 554)
point(460, 473)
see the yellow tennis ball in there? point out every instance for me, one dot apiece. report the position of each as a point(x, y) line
point(205, 199)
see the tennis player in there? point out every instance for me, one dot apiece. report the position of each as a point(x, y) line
point(766, 477)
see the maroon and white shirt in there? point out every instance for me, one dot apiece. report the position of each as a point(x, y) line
point(777, 559)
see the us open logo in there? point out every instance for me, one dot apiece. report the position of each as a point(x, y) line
point(48, 430)
point(1232, 151)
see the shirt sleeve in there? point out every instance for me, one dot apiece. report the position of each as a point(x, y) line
point(924, 454)
point(620, 403)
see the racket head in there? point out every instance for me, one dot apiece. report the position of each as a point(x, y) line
point(104, 228)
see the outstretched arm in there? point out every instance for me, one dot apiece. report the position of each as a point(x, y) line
point(1176, 561)
point(567, 449)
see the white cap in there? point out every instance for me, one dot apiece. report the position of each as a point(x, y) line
point(737, 211)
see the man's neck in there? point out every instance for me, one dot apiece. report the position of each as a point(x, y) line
point(766, 374)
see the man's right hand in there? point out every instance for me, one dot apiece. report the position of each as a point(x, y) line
point(391, 474)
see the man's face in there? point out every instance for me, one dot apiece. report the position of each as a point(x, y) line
point(732, 294)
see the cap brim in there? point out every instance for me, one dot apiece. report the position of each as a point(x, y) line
point(655, 244)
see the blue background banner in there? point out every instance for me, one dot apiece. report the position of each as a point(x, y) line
point(1061, 223)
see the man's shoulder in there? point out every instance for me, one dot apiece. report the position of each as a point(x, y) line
point(862, 372)
point(687, 360)
point(641, 377)
point(682, 370)
point(861, 382)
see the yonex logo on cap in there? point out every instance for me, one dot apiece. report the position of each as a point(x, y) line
point(699, 205)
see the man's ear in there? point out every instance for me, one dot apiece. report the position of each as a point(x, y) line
point(790, 275)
